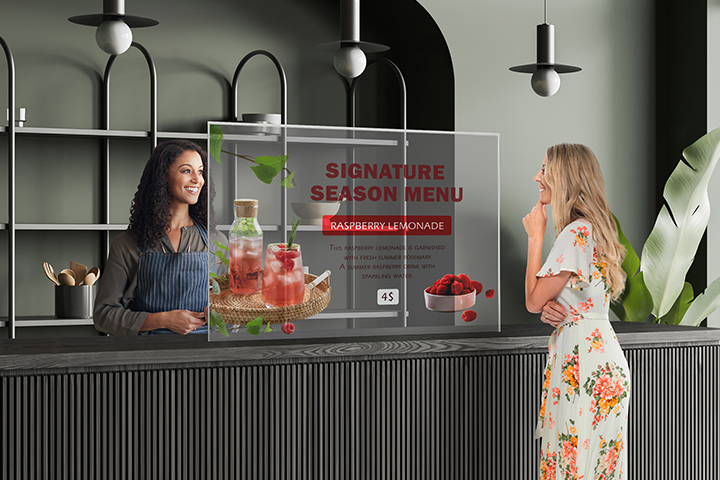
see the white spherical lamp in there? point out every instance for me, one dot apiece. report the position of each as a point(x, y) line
point(113, 37)
point(545, 82)
point(350, 62)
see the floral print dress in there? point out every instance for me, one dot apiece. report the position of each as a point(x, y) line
point(586, 392)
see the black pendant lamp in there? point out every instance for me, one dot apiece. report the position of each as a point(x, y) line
point(545, 73)
point(113, 35)
point(350, 60)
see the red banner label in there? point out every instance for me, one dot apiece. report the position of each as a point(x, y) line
point(387, 225)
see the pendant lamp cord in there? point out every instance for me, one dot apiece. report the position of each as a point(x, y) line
point(545, 11)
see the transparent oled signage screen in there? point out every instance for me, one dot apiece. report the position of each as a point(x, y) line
point(396, 232)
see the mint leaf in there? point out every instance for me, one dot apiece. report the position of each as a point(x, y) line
point(264, 173)
point(277, 163)
point(221, 246)
point(287, 181)
point(216, 140)
point(215, 285)
point(268, 328)
point(222, 258)
point(217, 321)
point(253, 326)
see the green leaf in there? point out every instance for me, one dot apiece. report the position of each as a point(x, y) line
point(221, 246)
point(293, 232)
point(670, 249)
point(631, 263)
point(217, 321)
point(287, 181)
point(267, 168)
point(253, 326)
point(219, 254)
point(264, 173)
point(268, 328)
point(635, 301)
point(676, 313)
point(216, 141)
point(277, 163)
point(705, 304)
point(215, 285)
point(213, 275)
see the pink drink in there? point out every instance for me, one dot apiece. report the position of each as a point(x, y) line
point(246, 265)
point(283, 281)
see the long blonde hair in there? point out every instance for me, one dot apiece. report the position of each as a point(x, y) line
point(578, 191)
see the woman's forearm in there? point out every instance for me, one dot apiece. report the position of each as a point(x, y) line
point(534, 263)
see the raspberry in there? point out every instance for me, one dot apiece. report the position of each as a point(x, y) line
point(287, 328)
point(477, 286)
point(442, 289)
point(432, 290)
point(490, 294)
point(447, 279)
point(280, 255)
point(464, 279)
point(291, 253)
point(289, 264)
point(469, 315)
point(466, 291)
point(456, 288)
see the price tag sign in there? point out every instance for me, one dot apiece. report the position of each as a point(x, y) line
point(388, 296)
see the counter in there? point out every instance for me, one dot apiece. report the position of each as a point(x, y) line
point(411, 407)
point(121, 353)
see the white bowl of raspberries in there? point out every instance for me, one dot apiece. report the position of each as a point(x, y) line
point(452, 293)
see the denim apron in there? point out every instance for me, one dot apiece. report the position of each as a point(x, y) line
point(173, 281)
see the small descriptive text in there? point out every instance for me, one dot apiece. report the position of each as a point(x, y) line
point(386, 261)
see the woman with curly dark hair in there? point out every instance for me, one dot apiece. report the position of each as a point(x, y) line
point(156, 277)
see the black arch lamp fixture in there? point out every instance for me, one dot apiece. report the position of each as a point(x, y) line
point(113, 35)
point(545, 79)
point(350, 60)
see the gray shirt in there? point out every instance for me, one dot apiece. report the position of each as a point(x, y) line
point(118, 283)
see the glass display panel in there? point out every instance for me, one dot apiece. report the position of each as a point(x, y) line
point(386, 214)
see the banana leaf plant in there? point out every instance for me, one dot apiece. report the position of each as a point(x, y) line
point(655, 282)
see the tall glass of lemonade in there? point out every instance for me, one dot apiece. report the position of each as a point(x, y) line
point(283, 281)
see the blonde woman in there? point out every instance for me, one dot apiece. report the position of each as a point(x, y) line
point(586, 390)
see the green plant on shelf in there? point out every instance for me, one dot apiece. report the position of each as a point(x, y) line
point(266, 168)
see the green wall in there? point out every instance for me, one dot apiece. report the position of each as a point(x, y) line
point(609, 105)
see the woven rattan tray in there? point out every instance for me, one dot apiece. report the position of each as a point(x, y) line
point(240, 309)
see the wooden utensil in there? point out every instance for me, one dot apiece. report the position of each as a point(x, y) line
point(80, 271)
point(66, 277)
point(96, 271)
point(89, 279)
point(50, 273)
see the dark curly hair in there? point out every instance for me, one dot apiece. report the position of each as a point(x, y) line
point(150, 210)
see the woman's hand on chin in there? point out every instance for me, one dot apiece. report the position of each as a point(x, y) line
point(535, 222)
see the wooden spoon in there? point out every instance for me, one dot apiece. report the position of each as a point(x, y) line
point(80, 271)
point(89, 279)
point(96, 271)
point(50, 273)
point(66, 278)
